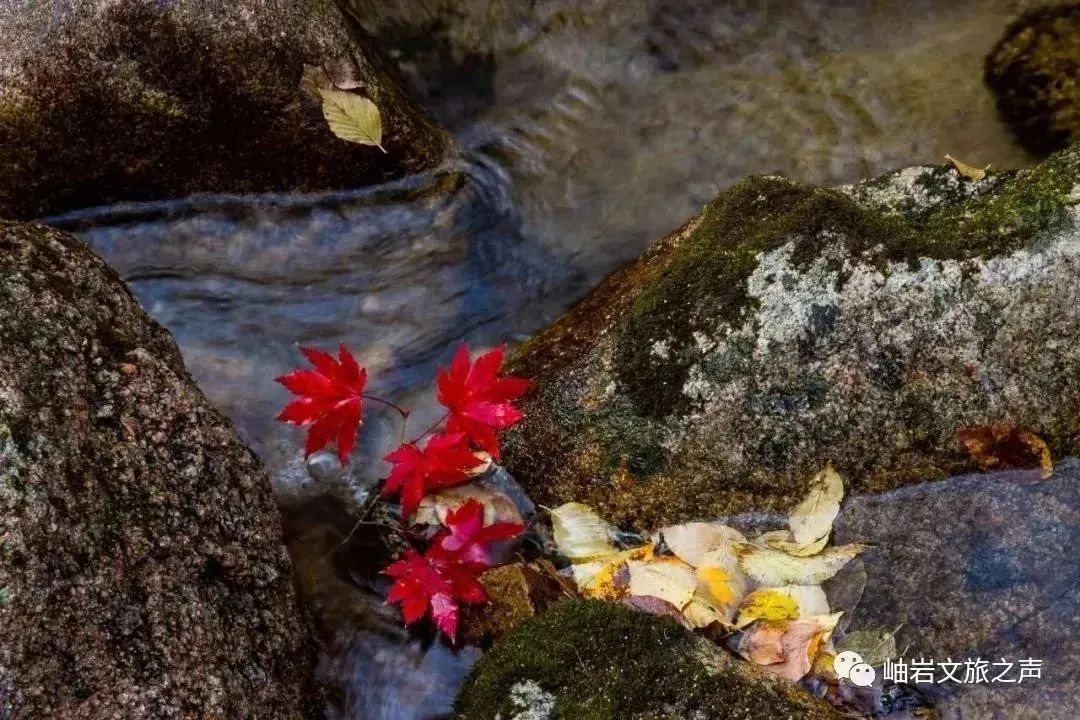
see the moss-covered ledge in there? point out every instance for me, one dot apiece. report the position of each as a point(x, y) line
point(787, 325)
point(594, 660)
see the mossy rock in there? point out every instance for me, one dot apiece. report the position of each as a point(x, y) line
point(594, 660)
point(103, 101)
point(1034, 71)
point(787, 325)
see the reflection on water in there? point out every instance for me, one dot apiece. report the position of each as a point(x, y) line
point(589, 129)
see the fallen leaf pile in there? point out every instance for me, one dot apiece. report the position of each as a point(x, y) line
point(762, 595)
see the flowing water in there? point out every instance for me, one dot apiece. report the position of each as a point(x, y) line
point(587, 130)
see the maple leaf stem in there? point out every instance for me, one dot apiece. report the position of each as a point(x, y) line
point(404, 413)
point(431, 429)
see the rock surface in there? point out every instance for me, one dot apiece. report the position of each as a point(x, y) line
point(976, 567)
point(587, 658)
point(788, 325)
point(104, 100)
point(142, 571)
point(1034, 71)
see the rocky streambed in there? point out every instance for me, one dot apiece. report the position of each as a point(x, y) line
point(142, 568)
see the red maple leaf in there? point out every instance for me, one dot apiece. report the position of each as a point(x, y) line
point(445, 461)
point(331, 400)
point(466, 538)
point(478, 398)
point(428, 585)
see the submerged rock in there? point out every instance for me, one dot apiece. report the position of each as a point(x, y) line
point(788, 325)
point(587, 658)
point(142, 571)
point(1034, 71)
point(981, 567)
point(135, 100)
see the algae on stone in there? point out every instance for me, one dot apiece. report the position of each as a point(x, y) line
point(788, 325)
point(595, 660)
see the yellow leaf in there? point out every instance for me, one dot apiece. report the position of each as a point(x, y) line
point(602, 583)
point(767, 604)
point(774, 568)
point(579, 532)
point(811, 521)
point(352, 117)
point(718, 585)
point(690, 542)
point(700, 613)
point(969, 171)
point(666, 578)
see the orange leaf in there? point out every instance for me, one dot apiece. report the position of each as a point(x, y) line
point(1002, 446)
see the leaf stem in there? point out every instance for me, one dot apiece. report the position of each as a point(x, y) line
point(434, 425)
point(387, 403)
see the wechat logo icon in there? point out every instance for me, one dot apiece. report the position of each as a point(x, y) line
point(850, 666)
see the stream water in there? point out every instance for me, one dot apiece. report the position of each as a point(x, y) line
point(587, 130)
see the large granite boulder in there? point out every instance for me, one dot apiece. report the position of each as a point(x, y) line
point(788, 325)
point(107, 100)
point(588, 658)
point(142, 572)
point(1034, 72)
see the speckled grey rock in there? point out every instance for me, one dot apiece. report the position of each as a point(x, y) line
point(106, 100)
point(976, 567)
point(788, 325)
point(142, 572)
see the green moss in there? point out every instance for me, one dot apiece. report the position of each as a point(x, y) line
point(603, 660)
point(706, 280)
point(653, 323)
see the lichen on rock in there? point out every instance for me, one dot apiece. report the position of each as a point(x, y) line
point(602, 661)
point(141, 558)
point(788, 325)
point(103, 101)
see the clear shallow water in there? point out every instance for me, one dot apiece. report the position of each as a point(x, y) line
point(588, 130)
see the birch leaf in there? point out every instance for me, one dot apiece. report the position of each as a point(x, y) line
point(498, 507)
point(585, 572)
point(774, 568)
point(772, 604)
point(721, 579)
point(800, 644)
point(606, 583)
point(875, 646)
point(690, 542)
point(782, 540)
point(811, 521)
point(969, 171)
point(767, 604)
point(669, 579)
point(580, 533)
point(763, 643)
point(352, 117)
